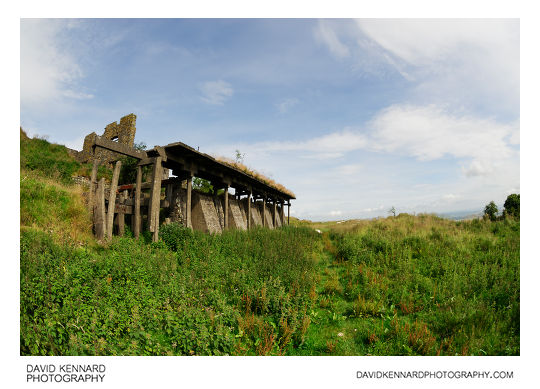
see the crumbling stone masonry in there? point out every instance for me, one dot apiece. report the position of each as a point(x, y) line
point(123, 133)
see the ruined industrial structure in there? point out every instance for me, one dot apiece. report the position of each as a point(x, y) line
point(164, 199)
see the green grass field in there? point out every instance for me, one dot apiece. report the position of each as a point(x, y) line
point(409, 285)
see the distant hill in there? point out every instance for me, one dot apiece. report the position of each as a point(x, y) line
point(461, 215)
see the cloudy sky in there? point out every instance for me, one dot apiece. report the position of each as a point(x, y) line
point(354, 116)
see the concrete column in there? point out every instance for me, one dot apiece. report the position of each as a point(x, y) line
point(264, 212)
point(226, 208)
point(168, 196)
point(155, 198)
point(188, 223)
point(288, 212)
point(274, 213)
point(112, 199)
point(249, 211)
point(137, 203)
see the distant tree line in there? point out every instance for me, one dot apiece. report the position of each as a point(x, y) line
point(511, 209)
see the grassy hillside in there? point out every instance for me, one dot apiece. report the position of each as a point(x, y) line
point(410, 285)
point(418, 285)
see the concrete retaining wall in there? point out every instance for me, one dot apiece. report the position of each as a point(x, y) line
point(207, 212)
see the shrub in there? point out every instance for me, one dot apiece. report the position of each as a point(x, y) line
point(490, 211)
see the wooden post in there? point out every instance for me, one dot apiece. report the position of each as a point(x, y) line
point(121, 216)
point(226, 208)
point(137, 216)
point(249, 210)
point(93, 182)
point(288, 212)
point(155, 198)
point(264, 212)
point(188, 201)
point(99, 210)
point(112, 199)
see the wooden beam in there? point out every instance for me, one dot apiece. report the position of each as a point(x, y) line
point(137, 222)
point(145, 202)
point(118, 148)
point(146, 161)
point(93, 183)
point(99, 210)
point(161, 151)
point(112, 199)
point(121, 215)
point(155, 194)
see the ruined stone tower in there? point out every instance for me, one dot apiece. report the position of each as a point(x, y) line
point(123, 133)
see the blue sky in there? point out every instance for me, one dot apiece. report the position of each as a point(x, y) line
point(354, 116)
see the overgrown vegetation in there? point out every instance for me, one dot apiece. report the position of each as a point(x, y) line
point(418, 285)
point(48, 159)
point(192, 293)
point(404, 285)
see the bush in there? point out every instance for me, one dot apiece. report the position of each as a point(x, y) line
point(490, 211)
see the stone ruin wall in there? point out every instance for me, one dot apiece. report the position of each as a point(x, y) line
point(123, 133)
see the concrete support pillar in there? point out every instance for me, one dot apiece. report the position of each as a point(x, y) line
point(226, 208)
point(169, 195)
point(112, 199)
point(274, 213)
point(282, 213)
point(188, 223)
point(155, 198)
point(137, 204)
point(288, 213)
point(99, 210)
point(264, 212)
point(248, 225)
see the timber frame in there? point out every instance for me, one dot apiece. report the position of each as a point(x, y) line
point(185, 163)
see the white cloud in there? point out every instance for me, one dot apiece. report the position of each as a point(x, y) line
point(463, 62)
point(216, 92)
point(326, 35)
point(421, 42)
point(349, 169)
point(77, 95)
point(330, 146)
point(48, 70)
point(429, 132)
point(425, 133)
point(286, 104)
